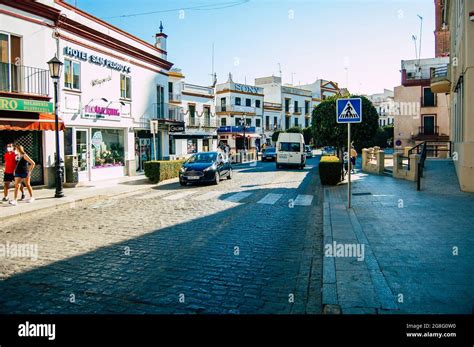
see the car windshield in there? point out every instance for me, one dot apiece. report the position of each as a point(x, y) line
point(202, 158)
point(270, 150)
point(308, 148)
point(290, 146)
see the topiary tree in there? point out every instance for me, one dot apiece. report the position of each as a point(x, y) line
point(327, 132)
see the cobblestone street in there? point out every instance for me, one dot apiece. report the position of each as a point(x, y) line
point(252, 244)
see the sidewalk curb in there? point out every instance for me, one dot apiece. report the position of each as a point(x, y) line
point(329, 284)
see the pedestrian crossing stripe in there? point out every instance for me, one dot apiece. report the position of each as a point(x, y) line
point(303, 200)
point(270, 199)
point(237, 197)
point(179, 195)
point(207, 196)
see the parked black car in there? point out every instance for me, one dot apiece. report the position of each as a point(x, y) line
point(269, 154)
point(205, 167)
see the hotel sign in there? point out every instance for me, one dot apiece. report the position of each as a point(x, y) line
point(23, 105)
point(94, 59)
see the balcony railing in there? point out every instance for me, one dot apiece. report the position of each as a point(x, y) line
point(272, 105)
point(440, 71)
point(174, 97)
point(236, 108)
point(297, 110)
point(427, 131)
point(440, 79)
point(165, 111)
point(24, 79)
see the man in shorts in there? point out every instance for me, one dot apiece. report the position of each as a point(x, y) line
point(9, 158)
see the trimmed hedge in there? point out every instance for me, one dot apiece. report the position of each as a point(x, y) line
point(161, 170)
point(330, 170)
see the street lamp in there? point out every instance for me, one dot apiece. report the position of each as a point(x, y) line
point(244, 125)
point(55, 66)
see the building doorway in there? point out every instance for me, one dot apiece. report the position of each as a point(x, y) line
point(429, 126)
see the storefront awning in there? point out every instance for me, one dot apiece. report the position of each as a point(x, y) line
point(38, 121)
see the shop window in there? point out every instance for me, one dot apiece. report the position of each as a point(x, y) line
point(107, 148)
point(192, 146)
point(68, 148)
point(125, 87)
point(72, 74)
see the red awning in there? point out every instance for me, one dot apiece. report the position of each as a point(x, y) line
point(39, 122)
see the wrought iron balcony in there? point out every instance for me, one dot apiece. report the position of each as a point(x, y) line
point(24, 79)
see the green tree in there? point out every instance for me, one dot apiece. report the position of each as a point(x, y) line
point(308, 135)
point(296, 130)
point(275, 135)
point(327, 132)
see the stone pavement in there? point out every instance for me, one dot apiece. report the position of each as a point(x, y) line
point(44, 197)
point(249, 245)
point(418, 245)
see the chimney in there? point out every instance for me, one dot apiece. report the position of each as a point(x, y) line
point(161, 41)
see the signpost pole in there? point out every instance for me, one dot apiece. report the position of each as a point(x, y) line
point(349, 165)
point(154, 146)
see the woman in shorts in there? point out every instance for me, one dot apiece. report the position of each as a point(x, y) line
point(24, 167)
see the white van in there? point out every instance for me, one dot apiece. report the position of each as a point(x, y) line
point(290, 150)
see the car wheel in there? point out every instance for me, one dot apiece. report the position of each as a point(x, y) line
point(277, 166)
point(229, 175)
point(217, 178)
point(183, 183)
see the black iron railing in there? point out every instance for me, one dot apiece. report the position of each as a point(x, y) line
point(24, 79)
point(428, 130)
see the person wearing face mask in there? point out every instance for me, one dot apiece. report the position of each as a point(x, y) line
point(9, 158)
point(23, 169)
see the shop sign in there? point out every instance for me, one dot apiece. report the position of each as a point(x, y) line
point(99, 112)
point(94, 59)
point(176, 128)
point(247, 89)
point(23, 105)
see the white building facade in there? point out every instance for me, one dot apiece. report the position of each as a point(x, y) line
point(197, 105)
point(285, 106)
point(239, 108)
point(112, 85)
point(385, 105)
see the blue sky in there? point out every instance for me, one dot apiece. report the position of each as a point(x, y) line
point(310, 38)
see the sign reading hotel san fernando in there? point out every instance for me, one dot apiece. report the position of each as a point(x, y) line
point(349, 110)
point(23, 105)
point(94, 59)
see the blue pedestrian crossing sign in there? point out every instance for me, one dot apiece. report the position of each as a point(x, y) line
point(349, 110)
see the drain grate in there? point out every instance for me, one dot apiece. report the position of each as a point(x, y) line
point(364, 193)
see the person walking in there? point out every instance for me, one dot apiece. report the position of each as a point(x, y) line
point(23, 169)
point(9, 158)
point(353, 158)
